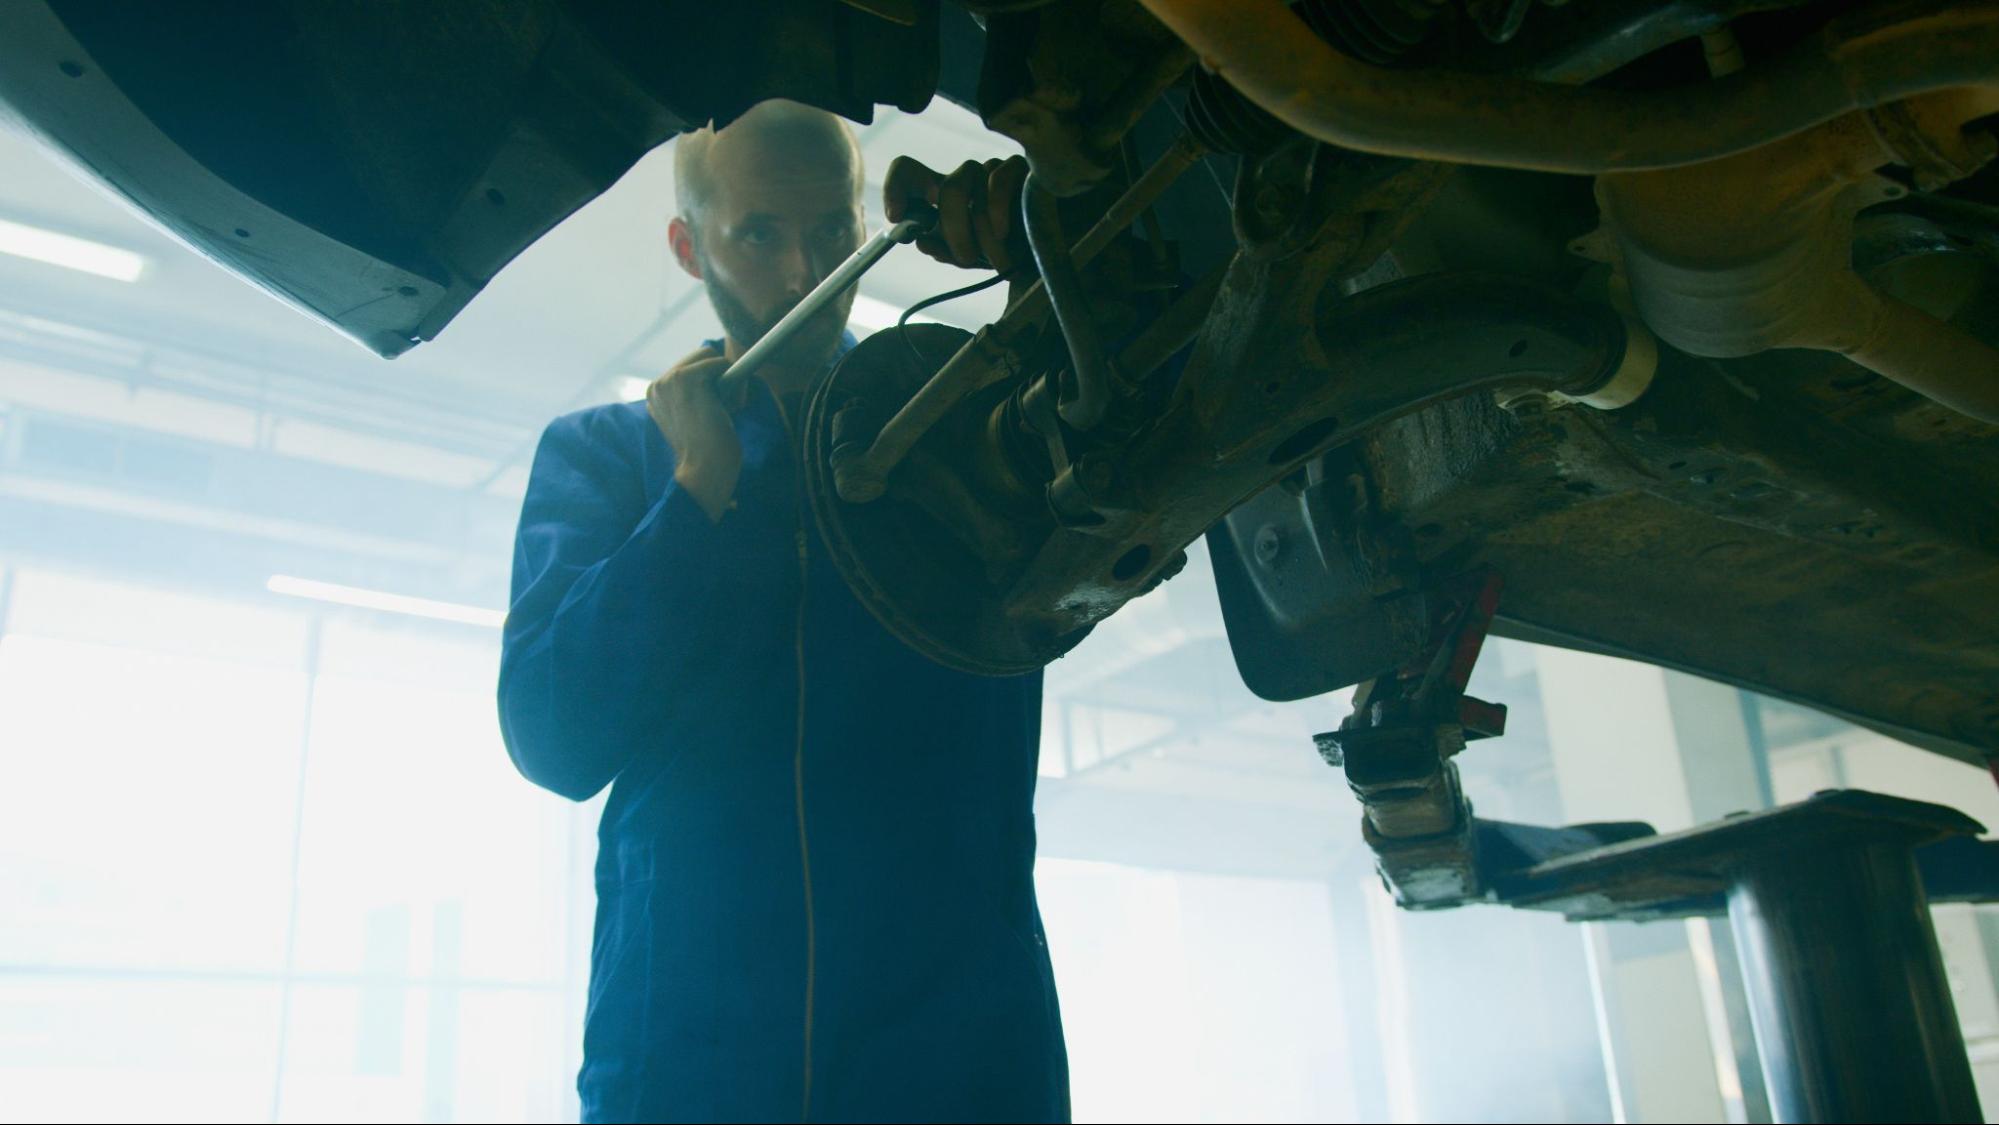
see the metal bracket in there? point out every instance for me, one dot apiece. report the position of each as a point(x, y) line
point(1828, 898)
point(1397, 748)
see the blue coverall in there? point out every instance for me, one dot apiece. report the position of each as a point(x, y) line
point(815, 889)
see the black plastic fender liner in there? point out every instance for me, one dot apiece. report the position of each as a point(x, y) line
point(376, 165)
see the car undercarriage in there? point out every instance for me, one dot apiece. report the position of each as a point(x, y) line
point(1666, 329)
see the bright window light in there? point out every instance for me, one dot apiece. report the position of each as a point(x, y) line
point(386, 602)
point(631, 388)
point(872, 315)
point(70, 252)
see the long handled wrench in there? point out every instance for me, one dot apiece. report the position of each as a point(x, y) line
point(921, 221)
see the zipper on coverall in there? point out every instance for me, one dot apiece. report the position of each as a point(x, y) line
point(798, 758)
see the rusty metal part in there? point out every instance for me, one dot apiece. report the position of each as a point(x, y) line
point(928, 540)
point(1172, 330)
point(1879, 54)
point(1809, 531)
point(1304, 194)
point(1185, 152)
point(1927, 355)
point(1396, 750)
point(1063, 285)
point(1318, 587)
point(1297, 368)
point(992, 354)
point(1754, 252)
point(1069, 80)
point(1286, 366)
point(970, 500)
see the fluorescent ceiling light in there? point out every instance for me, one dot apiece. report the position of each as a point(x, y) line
point(386, 602)
point(873, 315)
point(631, 388)
point(70, 252)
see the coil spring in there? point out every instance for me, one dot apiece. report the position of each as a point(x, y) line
point(1225, 121)
point(1381, 32)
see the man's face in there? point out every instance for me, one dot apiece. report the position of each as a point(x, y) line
point(774, 227)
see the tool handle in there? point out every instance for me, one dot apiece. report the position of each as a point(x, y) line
point(921, 220)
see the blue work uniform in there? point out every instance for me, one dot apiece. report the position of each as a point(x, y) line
point(815, 889)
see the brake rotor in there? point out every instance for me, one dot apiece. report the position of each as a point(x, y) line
point(926, 581)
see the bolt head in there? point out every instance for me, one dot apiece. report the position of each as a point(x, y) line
point(1269, 544)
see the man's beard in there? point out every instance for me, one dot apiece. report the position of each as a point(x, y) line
point(810, 348)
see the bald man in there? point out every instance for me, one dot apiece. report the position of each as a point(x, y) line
point(815, 865)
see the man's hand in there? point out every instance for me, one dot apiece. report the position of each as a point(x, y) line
point(978, 209)
point(689, 412)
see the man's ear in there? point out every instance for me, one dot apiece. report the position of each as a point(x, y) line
point(680, 237)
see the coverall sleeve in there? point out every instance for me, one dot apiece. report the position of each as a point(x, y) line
point(609, 591)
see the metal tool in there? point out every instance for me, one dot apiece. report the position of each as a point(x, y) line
point(921, 221)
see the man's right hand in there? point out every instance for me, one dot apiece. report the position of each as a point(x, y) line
point(977, 209)
point(686, 406)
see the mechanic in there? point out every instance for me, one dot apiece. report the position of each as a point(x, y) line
point(815, 893)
